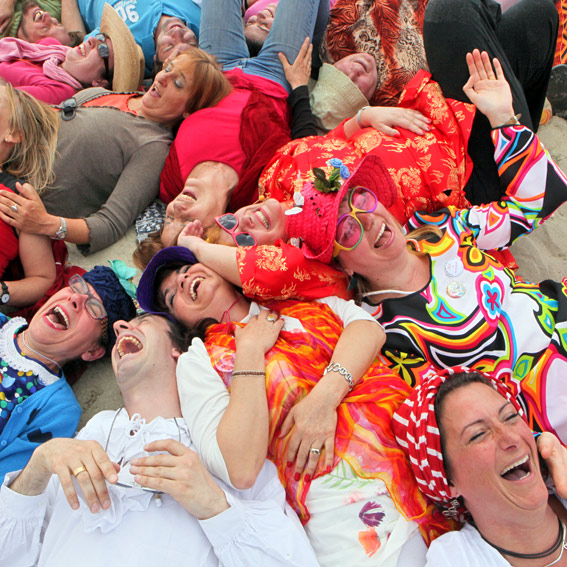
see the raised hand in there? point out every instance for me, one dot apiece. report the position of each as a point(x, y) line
point(488, 89)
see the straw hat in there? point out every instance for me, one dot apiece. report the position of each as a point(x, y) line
point(334, 98)
point(128, 56)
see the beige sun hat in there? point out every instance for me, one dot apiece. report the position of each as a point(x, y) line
point(334, 98)
point(128, 56)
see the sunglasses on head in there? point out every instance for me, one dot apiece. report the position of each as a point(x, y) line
point(229, 223)
point(349, 231)
point(104, 52)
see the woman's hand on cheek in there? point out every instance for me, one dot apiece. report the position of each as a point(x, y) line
point(555, 456)
point(26, 212)
point(314, 423)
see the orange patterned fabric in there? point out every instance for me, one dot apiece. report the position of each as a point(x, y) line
point(364, 436)
point(429, 171)
point(389, 30)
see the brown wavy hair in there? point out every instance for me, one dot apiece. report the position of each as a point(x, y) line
point(208, 85)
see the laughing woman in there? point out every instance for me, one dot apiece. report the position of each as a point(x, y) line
point(475, 456)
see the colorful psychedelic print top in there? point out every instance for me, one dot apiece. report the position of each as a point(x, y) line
point(476, 313)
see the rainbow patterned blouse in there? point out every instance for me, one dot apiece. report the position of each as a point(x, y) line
point(476, 313)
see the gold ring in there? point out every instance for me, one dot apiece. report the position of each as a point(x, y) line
point(491, 77)
point(315, 451)
point(78, 471)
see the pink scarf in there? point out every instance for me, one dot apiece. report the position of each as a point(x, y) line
point(51, 54)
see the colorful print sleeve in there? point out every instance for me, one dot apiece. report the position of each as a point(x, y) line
point(534, 185)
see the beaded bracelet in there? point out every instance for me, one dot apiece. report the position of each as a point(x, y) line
point(336, 367)
point(249, 373)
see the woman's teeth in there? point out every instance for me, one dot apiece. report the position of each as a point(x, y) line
point(193, 287)
point(262, 218)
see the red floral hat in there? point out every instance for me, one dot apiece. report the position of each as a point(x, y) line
point(313, 218)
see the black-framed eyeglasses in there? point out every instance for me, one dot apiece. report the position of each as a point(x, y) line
point(229, 223)
point(104, 53)
point(94, 306)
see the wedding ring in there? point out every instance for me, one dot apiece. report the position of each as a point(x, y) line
point(14, 207)
point(272, 317)
point(491, 77)
point(78, 471)
point(315, 451)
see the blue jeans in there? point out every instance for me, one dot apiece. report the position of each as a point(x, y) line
point(222, 35)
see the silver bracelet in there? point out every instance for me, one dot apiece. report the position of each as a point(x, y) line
point(249, 373)
point(336, 367)
point(359, 114)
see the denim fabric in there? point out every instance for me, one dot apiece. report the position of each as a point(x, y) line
point(222, 35)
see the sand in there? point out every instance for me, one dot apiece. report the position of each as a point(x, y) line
point(540, 255)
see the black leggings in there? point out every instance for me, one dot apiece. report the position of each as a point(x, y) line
point(523, 39)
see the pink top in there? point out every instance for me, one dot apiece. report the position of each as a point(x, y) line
point(214, 134)
point(29, 77)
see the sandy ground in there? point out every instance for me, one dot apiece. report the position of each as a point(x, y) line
point(540, 255)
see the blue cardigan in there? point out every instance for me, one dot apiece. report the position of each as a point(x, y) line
point(52, 411)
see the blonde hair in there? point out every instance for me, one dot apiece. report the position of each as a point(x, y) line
point(360, 285)
point(31, 158)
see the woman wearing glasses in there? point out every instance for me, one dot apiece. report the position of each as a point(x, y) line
point(36, 403)
point(442, 299)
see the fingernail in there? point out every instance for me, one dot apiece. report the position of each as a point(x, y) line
point(94, 508)
point(113, 478)
point(75, 506)
point(297, 477)
point(106, 504)
point(328, 469)
point(289, 463)
point(133, 469)
point(307, 477)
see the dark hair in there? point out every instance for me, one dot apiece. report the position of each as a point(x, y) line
point(161, 275)
point(453, 383)
point(179, 336)
point(254, 46)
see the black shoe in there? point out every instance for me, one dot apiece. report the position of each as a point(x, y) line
point(557, 90)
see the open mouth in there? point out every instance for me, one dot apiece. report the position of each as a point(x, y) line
point(187, 195)
point(58, 318)
point(518, 470)
point(262, 218)
point(81, 50)
point(194, 286)
point(384, 237)
point(128, 345)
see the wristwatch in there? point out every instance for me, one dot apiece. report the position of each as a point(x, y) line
point(61, 231)
point(5, 295)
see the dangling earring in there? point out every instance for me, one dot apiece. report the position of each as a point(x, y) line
point(353, 283)
point(452, 510)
